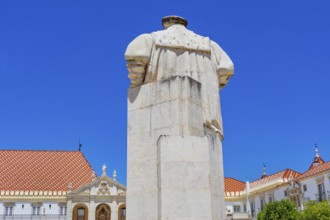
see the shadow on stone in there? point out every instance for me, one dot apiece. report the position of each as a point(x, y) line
point(133, 93)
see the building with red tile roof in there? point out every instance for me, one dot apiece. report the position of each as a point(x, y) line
point(314, 184)
point(233, 185)
point(320, 169)
point(56, 184)
point(317, 159)
point(38, 170)
point(274, 180)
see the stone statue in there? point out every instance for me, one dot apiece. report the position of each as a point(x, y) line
point(104, 170)
point(177, 51)
point(174, 131)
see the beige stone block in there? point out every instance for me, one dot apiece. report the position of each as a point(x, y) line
point(187, 178)
point(142, 206)
point(180, 204)
point(173, 164)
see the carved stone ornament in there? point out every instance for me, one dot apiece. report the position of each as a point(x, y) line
point(104, 188)
point(87, 191)
point(121, 192)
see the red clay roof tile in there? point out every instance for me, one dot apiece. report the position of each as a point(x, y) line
point(233, 185)
point(284, 174)
point(316, 170)
point(317, 160)
point(43, 170)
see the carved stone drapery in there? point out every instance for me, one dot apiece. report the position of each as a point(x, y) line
point(103, 212)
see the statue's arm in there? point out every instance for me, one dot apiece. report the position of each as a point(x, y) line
point(225, 67)
point(137, 56)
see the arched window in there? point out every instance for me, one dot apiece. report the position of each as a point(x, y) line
point(122, 212)
point(103, 212)
point(80, 212)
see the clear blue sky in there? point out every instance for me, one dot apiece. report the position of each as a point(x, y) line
point(63, 77)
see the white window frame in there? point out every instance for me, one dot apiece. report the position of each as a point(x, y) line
point(320, 189)
point(262, 203)
point(253, 209)
point(9, 210)
point(237, 208)
point(63, 210)
point(321, 192)
point(36, 209)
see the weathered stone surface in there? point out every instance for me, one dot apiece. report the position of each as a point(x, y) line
point(174, 163)
point(174, 154)
point(177, 51)
point(171, 106)
point(186, 175)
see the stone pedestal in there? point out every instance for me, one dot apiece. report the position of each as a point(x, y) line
point(174, 163)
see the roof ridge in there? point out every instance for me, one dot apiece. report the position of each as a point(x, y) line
point(323, 164)
point(235, 179)
point(270, 175)
point(40, 150)
point(87, 162)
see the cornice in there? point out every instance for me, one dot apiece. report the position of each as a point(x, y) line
point(95, 197)
point(32, 199)
point(32, 193)
point(313, 175)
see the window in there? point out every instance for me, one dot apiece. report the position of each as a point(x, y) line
point(270, 197)
point(305, 188)
point(35, 210)
point(244, 207)
point(123, 213)
point(81, 214)
point(62, 210)
point(252, 209)
point(298, 202)
point(9, 210)
point(321, 191)
point(262, 204)
point(237, 208)
point(285, 193)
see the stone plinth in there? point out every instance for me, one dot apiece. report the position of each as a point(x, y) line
point(174, 163)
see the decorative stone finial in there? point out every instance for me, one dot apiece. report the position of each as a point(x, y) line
point(264, 173)
point(173, 19)
point(114, 175)
point(104, 170)
point(316, 151)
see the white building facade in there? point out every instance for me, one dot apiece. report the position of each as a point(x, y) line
point(63, 186)
point(58, 185)
point(312, 185)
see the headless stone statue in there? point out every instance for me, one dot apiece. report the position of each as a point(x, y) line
point(175, 130)
point(177, 51)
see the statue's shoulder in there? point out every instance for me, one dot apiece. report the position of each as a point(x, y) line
point(142, 38)
point(140, 46)
point(179, 37)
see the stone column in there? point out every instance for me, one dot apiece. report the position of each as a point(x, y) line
point(174, 163)
point(91, 210)
point(114, 210)
point(69, 210)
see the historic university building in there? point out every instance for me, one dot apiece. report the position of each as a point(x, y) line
point(63, 185)
point(56, 185)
